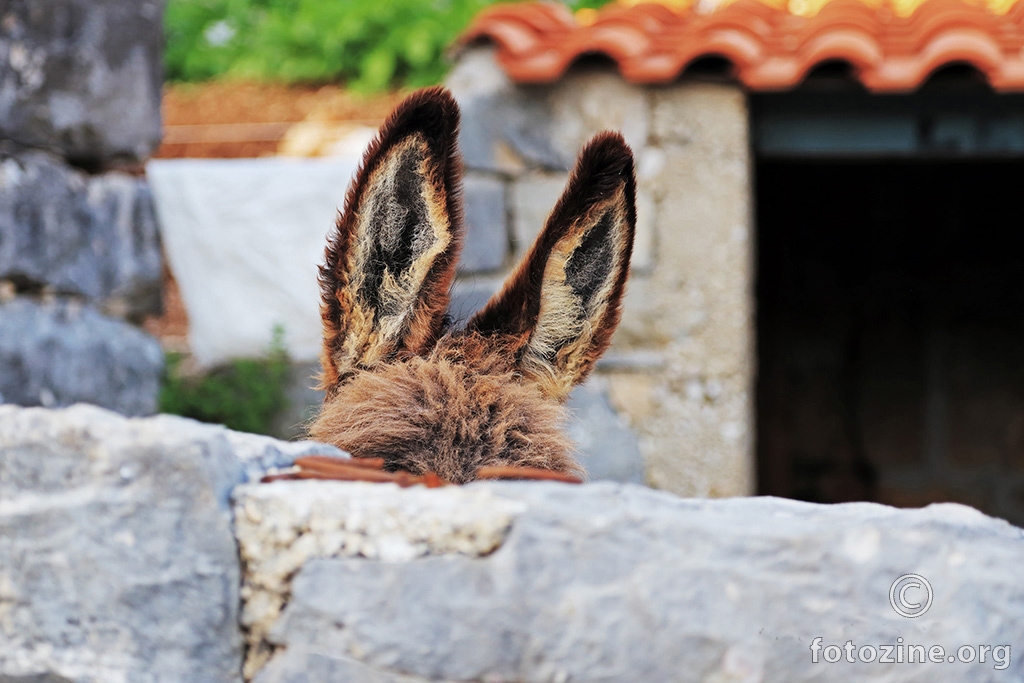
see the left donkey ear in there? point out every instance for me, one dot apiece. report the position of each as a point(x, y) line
point(560, 307)
point(390, 261)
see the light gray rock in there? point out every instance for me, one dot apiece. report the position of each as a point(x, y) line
point(487, 238)
point(58, 353)
point(590, 99)
point(91, 236)
point(283, 526)
point(469, 295)
point(82, 78)
point(533, 198)
point(313, 666)
point(118, 562)
point(504, 126)
point(608, 447)
point(612, 582)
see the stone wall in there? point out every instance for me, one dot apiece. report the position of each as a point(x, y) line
point(139, 550)
point(80, 256)
point(681, 368)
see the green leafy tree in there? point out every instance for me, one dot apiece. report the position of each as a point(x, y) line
point(369, 44)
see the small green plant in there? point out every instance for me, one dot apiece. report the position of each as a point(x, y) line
point(244, 395)
point(369, 44)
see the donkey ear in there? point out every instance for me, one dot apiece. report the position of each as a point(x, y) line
point(390, 261)
point(562, 304)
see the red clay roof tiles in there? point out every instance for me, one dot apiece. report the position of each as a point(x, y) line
point(892, 46)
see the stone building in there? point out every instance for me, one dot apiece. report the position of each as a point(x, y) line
point(80, 259)
point(824, 301)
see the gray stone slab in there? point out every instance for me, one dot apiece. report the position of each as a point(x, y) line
point(320, 666)
point(505, 127)
point(533, 198)
point(613, 582)
point(59, 353)
point(91, 236)
point(118, 562)
point(608, 448)
point(82, 78)
point(487, 237)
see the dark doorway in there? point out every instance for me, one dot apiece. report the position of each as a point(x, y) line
point(891, 331)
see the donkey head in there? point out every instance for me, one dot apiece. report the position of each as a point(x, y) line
point(400, 385)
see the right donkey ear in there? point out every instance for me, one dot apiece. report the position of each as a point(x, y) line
point(390, 261)
point(562, 304)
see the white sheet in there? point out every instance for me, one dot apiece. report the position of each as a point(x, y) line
point(244, 238)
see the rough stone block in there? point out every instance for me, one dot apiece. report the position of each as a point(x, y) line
point(283, 526)
point(592, 99)
point(505, 127)
point(82, 78)
point(304, 402)
point(90, 236)
point(642, 260)
point(487, 239)
point(608, 449)
point(533, 197)
point(695, 304)
point(693, 113)
point(59, 353)
point(617, 582)
point(118, 560)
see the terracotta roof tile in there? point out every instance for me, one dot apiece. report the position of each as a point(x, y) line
point(892, 45)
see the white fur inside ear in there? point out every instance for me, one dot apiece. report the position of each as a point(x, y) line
point(402, 227)
point(570, 309)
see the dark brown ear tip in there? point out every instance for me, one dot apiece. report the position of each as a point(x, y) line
point(432, 111)
point(607, 154)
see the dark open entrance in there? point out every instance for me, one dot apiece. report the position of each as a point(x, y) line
point(891, 312)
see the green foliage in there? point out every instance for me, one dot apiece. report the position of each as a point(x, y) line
point(244, 395)
point(370, 44)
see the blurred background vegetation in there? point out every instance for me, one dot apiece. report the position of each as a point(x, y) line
point(245, 395)
point(371, 45)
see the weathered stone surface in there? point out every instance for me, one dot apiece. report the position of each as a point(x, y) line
point(283, 526)
point(533, 198)
point(510, 128)
point(58, 353)
point(608, 449)
point(117, 561)
point(617, 582)
point(487, 239)
point(588, 100)
point(92, 236)
point(505, 127)
point(82, 77)
point(695, 305)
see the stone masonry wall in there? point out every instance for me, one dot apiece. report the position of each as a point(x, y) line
point(680, 370)
point(145, 550)
point(80, 256)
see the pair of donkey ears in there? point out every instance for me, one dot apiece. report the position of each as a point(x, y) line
point(391, 260)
